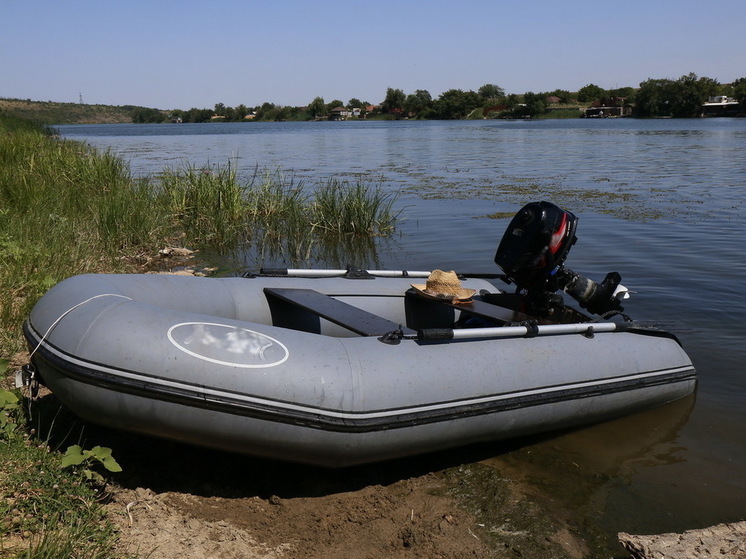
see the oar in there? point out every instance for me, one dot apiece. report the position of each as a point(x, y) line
point(517, 331)
point(330, 273)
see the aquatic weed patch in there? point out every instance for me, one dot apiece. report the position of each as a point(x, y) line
point(508, 518)
point(602, 195)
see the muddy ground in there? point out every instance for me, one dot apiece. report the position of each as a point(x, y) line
point(174, 501)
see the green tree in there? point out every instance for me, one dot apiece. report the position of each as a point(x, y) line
point(653, 98)
point(491, 91)
point(739, 92)
point(418, 103)
point(355, 103)
point(394, 101)
point(626, 92)
point(241, 111)
point(267, 111)
point(690, 94)
point(512, 101)
point(563, 95)
point(317, 108)
point(197, 115)
point(681, 98)
point(283, 113)
point(534, 104)
point(142, 115)
point(455, 103)
point(591, 92)
point(230, 114)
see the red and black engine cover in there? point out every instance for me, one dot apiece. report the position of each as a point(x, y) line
point(535, 245)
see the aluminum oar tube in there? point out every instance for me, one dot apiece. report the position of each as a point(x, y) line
point(515, 331)
point(311, 273)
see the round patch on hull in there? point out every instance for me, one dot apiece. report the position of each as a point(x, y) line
point(227, 345)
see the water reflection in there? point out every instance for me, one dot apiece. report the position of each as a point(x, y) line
point(268, 250)
point(588, 469)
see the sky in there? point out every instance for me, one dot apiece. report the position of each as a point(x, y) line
point(170, 54)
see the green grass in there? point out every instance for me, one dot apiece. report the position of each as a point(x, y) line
point(45, 511)
point(208, 204)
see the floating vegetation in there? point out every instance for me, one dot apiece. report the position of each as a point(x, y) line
point(500, 215)
point(602, 195)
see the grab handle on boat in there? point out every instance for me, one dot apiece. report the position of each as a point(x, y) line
point(436, 334)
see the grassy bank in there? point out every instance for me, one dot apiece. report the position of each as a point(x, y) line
point(66, 209)
point(50, 112)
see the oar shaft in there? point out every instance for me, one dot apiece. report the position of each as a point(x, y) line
point(318, 273)
point(331, 273)
point(515, 331)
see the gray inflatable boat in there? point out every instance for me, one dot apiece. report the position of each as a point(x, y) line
point(336, 368)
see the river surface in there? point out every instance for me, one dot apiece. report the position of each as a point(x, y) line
point(660, 201)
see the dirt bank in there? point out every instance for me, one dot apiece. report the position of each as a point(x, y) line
point(402, 519)
point(175, 501)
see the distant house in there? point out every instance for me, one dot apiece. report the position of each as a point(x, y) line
point(339, 113)
point(721, 105)
point(611, 107)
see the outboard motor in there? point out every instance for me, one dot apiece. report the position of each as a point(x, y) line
point(532, 254)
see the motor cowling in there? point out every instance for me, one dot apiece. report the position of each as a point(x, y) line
point(532, 253)
point(535, 245)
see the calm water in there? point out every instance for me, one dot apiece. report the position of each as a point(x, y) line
point(660, 201)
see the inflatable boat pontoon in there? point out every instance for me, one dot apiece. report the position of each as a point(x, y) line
point(341, 367)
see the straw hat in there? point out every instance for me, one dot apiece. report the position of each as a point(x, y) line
point(444, 285)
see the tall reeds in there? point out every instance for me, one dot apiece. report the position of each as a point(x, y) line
point(340, 208)
point(208, 203)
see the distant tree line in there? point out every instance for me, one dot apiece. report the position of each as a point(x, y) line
point(682, 97)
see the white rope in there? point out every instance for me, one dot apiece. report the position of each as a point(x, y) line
point(68, 311)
